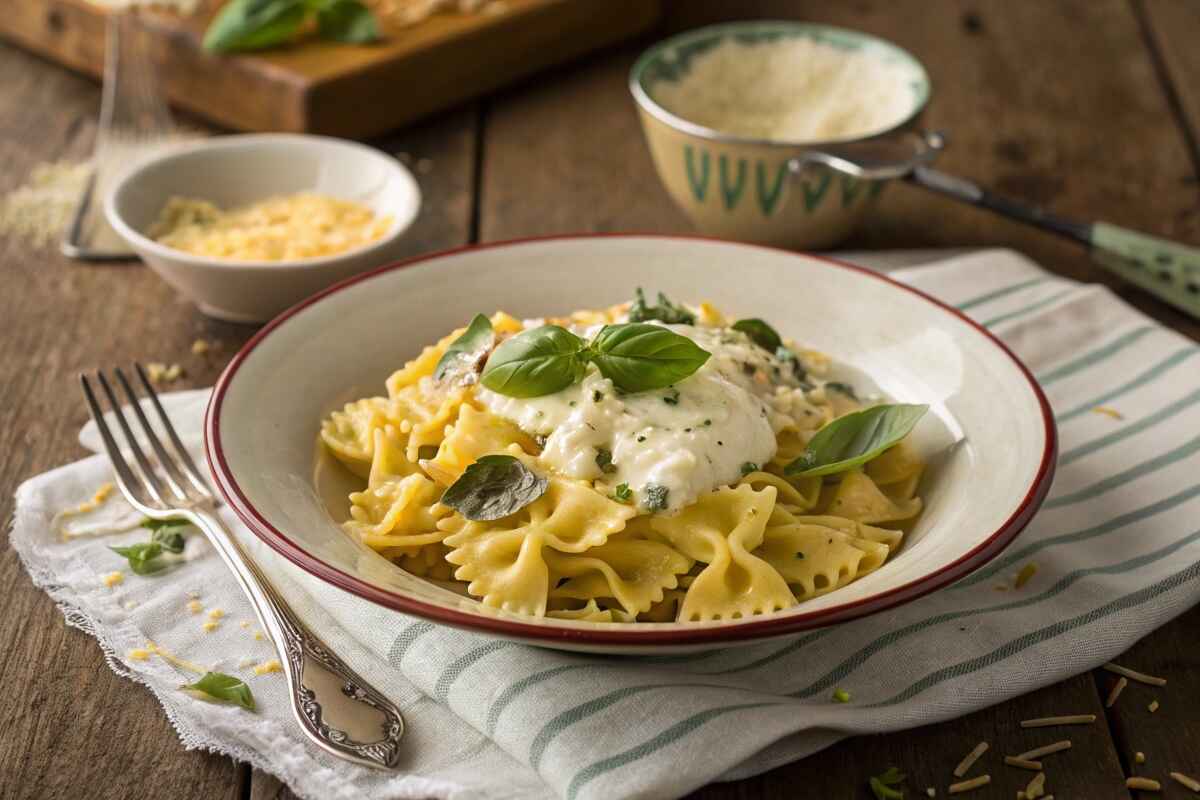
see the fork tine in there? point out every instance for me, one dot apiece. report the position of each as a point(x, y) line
point(125, 477)
point(149, 478)
point(193, 474)
point(171, 471)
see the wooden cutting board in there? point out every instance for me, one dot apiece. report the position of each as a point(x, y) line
point(342, 90)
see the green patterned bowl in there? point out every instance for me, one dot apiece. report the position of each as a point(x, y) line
point(756, 190)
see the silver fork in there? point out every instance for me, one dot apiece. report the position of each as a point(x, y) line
point(179, 490)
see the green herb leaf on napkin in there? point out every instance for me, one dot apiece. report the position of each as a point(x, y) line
point(142, 557)
point(220, 686)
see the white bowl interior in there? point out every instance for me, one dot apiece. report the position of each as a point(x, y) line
point(985, 427)
point(237, 170)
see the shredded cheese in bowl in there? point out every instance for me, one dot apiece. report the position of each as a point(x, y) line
point(282, 228)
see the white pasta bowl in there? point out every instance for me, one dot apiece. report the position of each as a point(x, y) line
point(989, 436)
point(231, 171)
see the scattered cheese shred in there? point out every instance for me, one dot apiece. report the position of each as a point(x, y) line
point(199, 347)
point(930, 792)
point(179, 662)
point(1139, 757)
point(139, 654)
point(1069, 719)
point(969, 759)
point(1045, 750)
point(1037, 786)
point(216, 613)
point(1153, 706)
point(161, 373)
point(195, 606)
point(1108, 412)
point(244, 624)
point(258, 637)
point(1145, 784)
point(1134, 675)
point(1023, 763)
point(1185, 780)
point(974, 783)
point(209, 627)
point(113, 578)
point(268, 667)
point(1027, 572)
point(1122, 682)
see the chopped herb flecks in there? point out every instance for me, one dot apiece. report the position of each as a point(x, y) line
point(671, 398)
point(655, 497)
point(749, 467)
point(604, 460)
point(641, 438)
point(597, 396)
point(622, 494)
point(707, 422)
point(844, 388)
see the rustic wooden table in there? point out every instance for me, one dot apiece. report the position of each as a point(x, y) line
point(1089, 106)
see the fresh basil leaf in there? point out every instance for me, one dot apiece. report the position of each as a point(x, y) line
point(622, 493)
point(541, 361)
point(655, 497)
point(475, 338)
point(167, 532)
point(494, 487)
point(346, 21)
point(604, 460)
point(760, 333)
point(170, 539)
point(883, 791)
point(142, 557)
point(854, 439)
point(220, 686)
point(638, 357)
point(254, 24)
point(665, 311)
point(891, 776)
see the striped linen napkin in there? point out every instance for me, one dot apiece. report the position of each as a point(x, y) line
point(1117, 545)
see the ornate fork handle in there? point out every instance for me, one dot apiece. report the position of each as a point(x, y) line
point(297, 645)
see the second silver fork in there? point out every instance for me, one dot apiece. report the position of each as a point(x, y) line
point(180, 490)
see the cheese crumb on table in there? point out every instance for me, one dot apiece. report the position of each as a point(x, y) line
point(158, 372)
point(268, 667)
point(1139, 757)
point(199, 347)
point(1153, 706)
point(195, 607)
point(1145, 784)
point(216, 613)
point(139, 654)
point(1108, 412)
point(209, 627)
point(113, 578)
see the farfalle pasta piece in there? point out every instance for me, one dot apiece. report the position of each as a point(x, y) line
point(720, 529)
point(591, 613)
point(634, 572)
point(393, 512)
point(573, 517)
point(475, 433)
point(503, 567)
point(857, 497)
point(798, 494)
point(815, 559)
point(350, 433)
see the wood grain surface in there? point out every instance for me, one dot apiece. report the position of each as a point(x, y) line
point(1089, 107)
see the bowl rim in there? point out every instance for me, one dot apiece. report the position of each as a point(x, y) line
point(396, 171)
point(768, 626)
point(654, 109)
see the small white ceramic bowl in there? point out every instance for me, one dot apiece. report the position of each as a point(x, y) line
point(989, 436)
point(237, 170)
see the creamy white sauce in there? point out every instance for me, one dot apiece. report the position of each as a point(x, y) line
point(688, 439)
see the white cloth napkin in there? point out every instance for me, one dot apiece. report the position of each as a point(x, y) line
point(1117, 545)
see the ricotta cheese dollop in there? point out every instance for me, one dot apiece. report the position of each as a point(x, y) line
point(670, 445)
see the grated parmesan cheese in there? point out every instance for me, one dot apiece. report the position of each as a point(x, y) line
point(791, 89)
point(283, 228)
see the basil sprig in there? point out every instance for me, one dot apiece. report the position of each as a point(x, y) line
point(475, 338)
point(635, 356)
point(854, 439)
point(143, 557)
point(220, 686)
point(259, 24)
point(494, 487)
point(665, 311)
point(760, 333)
point(541, 361)
point(167, 533)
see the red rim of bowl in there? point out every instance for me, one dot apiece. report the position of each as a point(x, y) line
point(753, 628)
